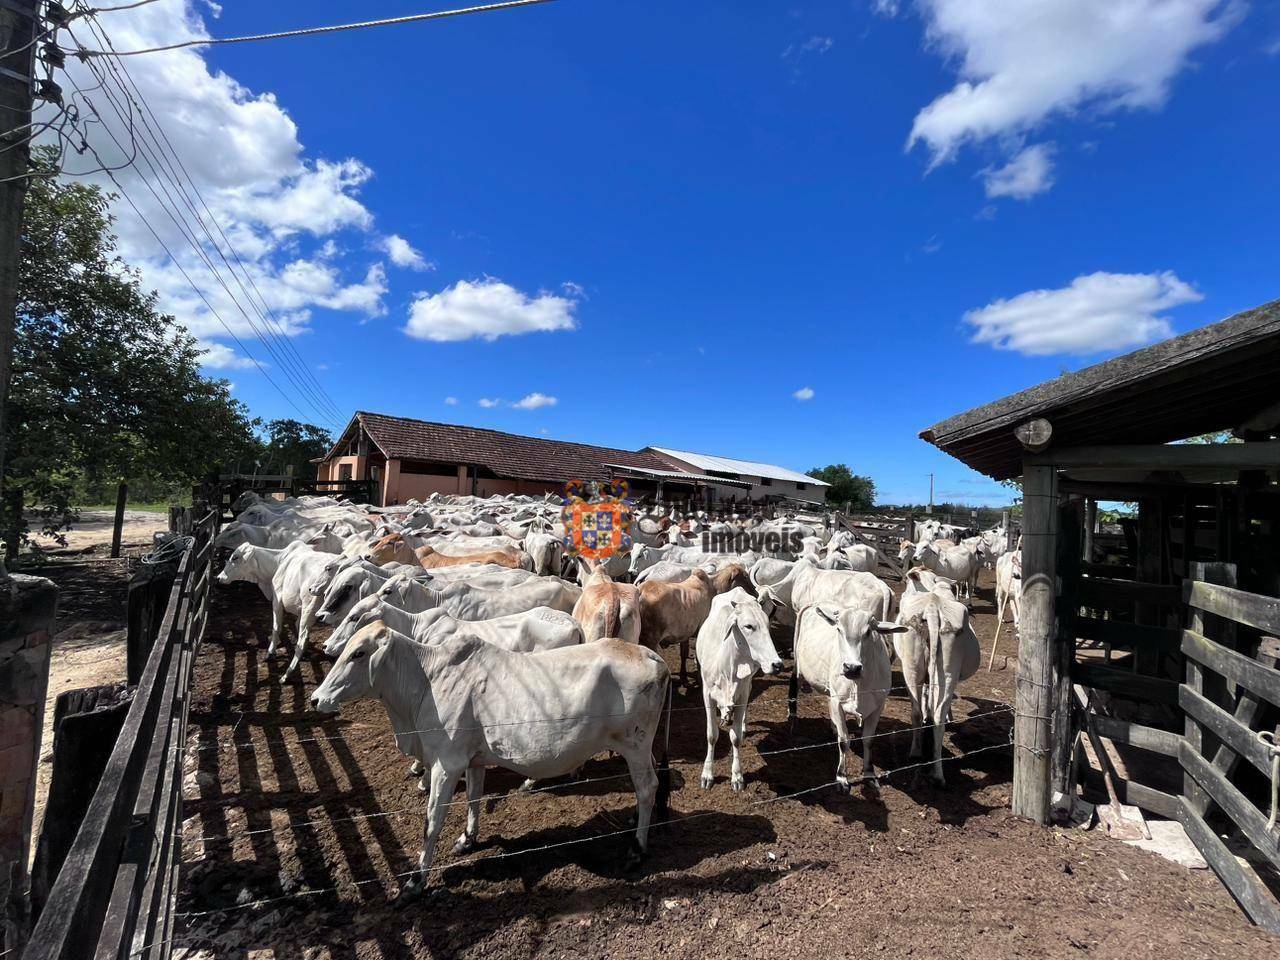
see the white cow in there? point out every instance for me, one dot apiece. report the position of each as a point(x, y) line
point(733, 645)
point(285, 577)
point(842, 652)
point(959, 563)
point(1008, 593)
point(938, 652)
point(467, 705)
point(547, 551)
point(806, 585)
point(538, 629)
point(460, 600)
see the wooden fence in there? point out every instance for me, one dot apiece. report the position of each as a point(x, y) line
point(223, 492)
point(883, 534)
point(114, 895)
point(1225, 696)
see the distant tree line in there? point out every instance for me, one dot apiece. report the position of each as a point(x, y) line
point(105, 387)
point(846, 487)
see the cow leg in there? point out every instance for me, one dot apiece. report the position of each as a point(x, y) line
point(713, 737)
point(869, 724)
point(917, 721)
point(442, 786)
point(645, 779)
point(999, 622)
point(684, 657)
point(738, 734)
point(843, 746)
point(304, 631)
point(939, 731)
point(277, 624)
point(475, 791)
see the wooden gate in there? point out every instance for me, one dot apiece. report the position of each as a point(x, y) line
point(1225, 696)
point(881, 534)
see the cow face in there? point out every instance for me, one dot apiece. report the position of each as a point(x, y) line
point(924, 549)
point(351, 677)
point(905, 549)
point(238, 566)
point(859, 637)
point(769, 601)
point(752, 624)
point(384, 550)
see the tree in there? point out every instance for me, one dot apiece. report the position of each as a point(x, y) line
point(294, 444)
point(105, 387)
point(846, 486)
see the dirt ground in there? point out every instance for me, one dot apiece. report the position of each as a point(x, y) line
point(91, 534)
point(315, 816)
point(89, 635)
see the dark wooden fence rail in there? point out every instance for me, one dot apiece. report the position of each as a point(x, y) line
point(114, 895)
point(1225, 696)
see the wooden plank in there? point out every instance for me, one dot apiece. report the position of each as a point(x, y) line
point(1233, 803)
point(1110, 593)
point(1126, 684)
point(1250, 892)
point(1241, 740)
point(1261, 613)
point(1253, 676)
point(1128, 635)
point(73, 913)
point(1163, 742)
point(1148, 798)
point(1200, 685)
point(1033, 728)
point(1164, 456)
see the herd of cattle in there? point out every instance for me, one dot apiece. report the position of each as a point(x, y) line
point(489, 646)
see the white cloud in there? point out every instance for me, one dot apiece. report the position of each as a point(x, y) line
point(796, 53)
point(280, 208)
point(535, 401)
point(1028, 173)
point(451, 401)
point(403, 254)
point(487, 309)
point(1020, 63)
point(804, 393)
point(886, 8)
point(489, 402)
point(1097, 312)
point(218, 356)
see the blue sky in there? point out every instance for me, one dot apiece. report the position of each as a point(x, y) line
point(672, 217)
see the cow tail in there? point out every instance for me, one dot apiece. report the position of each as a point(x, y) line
point(662, 802)
point(935, 663)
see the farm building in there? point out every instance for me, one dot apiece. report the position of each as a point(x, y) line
point(411, 459)
point(1156, 649)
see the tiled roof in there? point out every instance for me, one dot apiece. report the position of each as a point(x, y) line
point(508, 455)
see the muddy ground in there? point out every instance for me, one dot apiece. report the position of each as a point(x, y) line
point(299, 825)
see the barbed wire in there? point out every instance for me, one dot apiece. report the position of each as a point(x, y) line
point(520, 792)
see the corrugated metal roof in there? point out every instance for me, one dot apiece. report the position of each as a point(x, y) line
point(680, 475)
point(748, 468)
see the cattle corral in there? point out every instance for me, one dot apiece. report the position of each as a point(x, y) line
point(300, 826)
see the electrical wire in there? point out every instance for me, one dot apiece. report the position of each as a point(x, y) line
point(289, 349)
point(313, 31)
point(169, 205)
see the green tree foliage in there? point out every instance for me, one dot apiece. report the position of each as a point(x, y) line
point(105, 387)
point(846, 486)
point(294, 444)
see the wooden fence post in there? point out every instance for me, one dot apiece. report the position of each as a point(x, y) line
point(1070, 521)
point(117, 529)
point(1223, 574)
point(1034, 702)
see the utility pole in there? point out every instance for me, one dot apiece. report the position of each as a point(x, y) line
point(18, 27)
point(931, 494)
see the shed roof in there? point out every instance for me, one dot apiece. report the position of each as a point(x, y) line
point(508, 455)
point(749, 468)
point(681, 476)
point(1206, 380)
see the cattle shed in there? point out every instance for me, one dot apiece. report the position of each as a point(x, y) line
point(412, 459)
point(1151, 646)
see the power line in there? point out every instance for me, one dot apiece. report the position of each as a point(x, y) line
point(285, 353)
point(313, 31)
